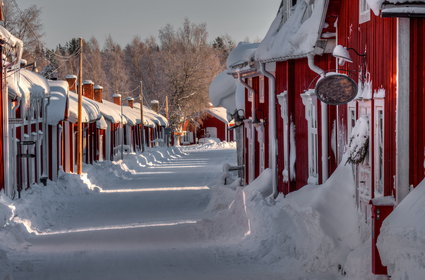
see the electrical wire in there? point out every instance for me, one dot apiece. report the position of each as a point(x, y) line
point(41, 44)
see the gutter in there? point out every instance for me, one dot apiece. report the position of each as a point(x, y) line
point(323, 122)
point(403, 109)
point(272, 128)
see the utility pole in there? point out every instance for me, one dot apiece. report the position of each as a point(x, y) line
point(80, 113)
point(141, 116)
point(166, 106)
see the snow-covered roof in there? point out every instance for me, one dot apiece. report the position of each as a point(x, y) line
point(152, 115)
point(101, 123)
point(98, 87)
point(297, 36)
point(219, 113)
point(222, 91)
point(90, 112)
point(58, 102)
point(242, 55)
point(27, 85)
point(88, 82)
point(110, 111)
point(13, 43)
point(376, 5)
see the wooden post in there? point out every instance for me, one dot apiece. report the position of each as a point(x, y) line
point(141, 116)
point(166, 107)
point(80, 112)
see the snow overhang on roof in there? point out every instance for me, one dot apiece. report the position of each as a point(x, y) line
point(150, 117)
point(110, 111)
point(90, 112)
point(398, 8)
point(222, 91)
point(27, 85)
point(297, 36)
point(219, 113)
point(242, 57)
point(14, 44)
point(57, 106)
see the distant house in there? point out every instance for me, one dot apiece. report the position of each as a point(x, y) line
point(215, 125)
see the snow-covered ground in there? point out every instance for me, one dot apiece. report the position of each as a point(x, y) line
point(166, 214)
point(151, 216)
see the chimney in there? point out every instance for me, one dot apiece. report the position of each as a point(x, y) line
point(98, 93)
point(72, 82)
point(117, 98)
point(88, 90)
point(131, 102)
point(155, 105)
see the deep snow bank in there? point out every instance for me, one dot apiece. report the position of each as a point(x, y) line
point(311, 231)
point(402, 239)
point(210, 144)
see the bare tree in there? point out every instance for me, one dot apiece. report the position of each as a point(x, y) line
point(26, 25)
point(189, 64)
point(113, 64)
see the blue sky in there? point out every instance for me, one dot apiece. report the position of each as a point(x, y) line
point(123, 19)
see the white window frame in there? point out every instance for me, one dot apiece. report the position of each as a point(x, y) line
point(262, 146)
point(351, 117)
point(309, 99)
point(283, 102)
point(261, 97)
point(364, 11)
point(379, 147)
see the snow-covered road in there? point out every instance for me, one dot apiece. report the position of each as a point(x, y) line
point(147, 223)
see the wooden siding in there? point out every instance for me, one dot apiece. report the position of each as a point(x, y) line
point(417, 103)
point(376, 37)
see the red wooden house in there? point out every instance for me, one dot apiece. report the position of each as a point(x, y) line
point(214, 124)
point(382, 54)
point(390, 75)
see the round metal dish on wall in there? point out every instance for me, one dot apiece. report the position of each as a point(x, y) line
point(336, 89)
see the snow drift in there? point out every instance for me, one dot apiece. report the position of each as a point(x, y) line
point(402, 239)
point(311, 231)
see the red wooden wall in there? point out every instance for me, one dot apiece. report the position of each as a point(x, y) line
point(211, 121)
point(417, 103)
point(376, 37)
point(296, 77)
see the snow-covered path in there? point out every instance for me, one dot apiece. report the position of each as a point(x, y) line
point(148, 224)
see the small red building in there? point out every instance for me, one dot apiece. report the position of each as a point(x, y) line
point(214, 124)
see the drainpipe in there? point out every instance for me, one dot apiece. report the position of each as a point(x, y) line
point(272, 128)
point(323, 122)
point(45, 139)
point(11, 141)
point(252, 142)
point(402, 111)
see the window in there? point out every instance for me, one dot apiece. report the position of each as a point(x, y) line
point(352, 116)
point(211, 132)
point(364, 11)
point(310, 102)
point(379, 148)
